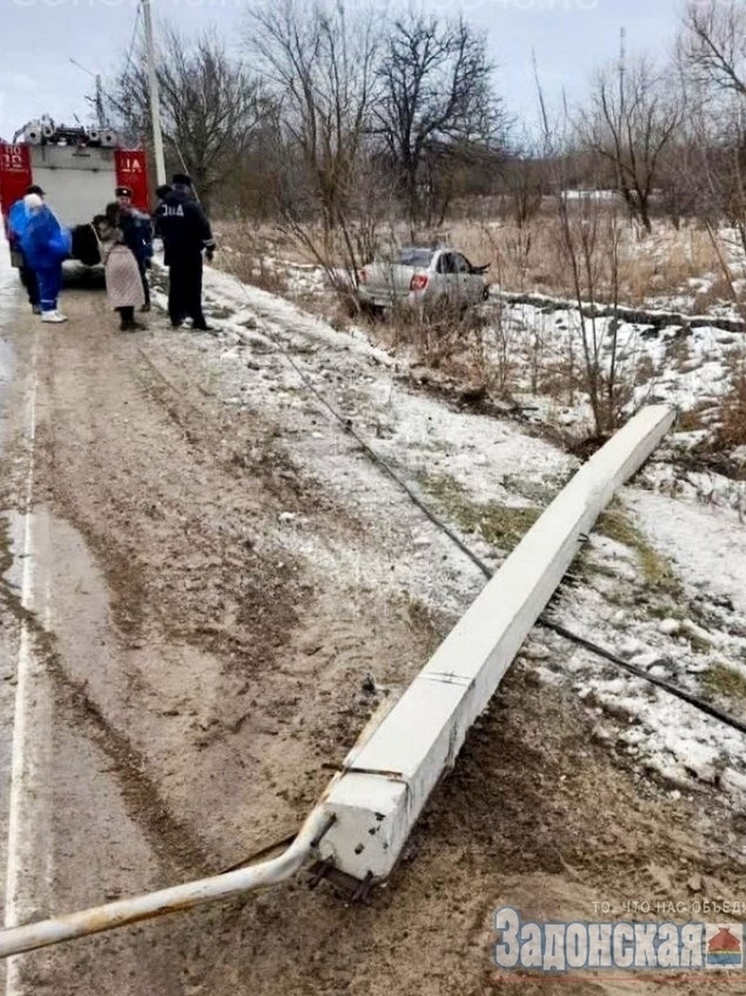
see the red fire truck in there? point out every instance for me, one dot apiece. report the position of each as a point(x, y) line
point(77, 168)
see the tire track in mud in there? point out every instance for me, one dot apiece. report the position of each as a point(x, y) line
point(178, 850)
point(124, 580)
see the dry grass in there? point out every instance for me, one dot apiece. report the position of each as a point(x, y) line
point(657, 265)
point(251, 256)
point(664, 264)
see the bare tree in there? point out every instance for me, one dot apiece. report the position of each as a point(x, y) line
point(632, 118)
point(712, 56)
point(714, 44)
point(210, 107)
point(589, 244)
point(436, 94)
point(319, 67)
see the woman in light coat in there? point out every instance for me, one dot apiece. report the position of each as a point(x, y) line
point(124, 288)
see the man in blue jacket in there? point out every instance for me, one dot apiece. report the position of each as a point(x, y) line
point(186, 234)
point(137, 232)
point(16, 224)
point(45, 243)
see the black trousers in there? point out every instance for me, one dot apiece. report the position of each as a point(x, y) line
point(29, 281)
point(185, 290)
point(144, 278)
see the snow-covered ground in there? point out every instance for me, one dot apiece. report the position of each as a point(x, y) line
point(691, 630)
point(687, 368)
point(529, 343)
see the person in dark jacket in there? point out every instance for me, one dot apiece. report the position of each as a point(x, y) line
point(161, 193)
point(26, 272)
point(137, 234)
point(186, 234)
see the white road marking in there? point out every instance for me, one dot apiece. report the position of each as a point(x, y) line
point(18, 771)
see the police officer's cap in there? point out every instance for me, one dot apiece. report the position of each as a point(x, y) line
point(182, 179)
point(123, 192)
point(163, 191)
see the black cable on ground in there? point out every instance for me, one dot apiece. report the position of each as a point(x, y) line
point(667, 686)
point(567, 634)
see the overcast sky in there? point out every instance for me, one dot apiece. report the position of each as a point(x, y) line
point(570, 38)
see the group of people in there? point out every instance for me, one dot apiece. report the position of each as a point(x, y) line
point(124, 237)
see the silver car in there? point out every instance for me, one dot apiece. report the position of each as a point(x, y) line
point(422, 277)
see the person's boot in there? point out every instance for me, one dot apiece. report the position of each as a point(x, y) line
point(146, 306)
point(200, 324)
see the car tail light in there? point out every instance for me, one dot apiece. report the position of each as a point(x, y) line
point(362, 276)
point(418, 282)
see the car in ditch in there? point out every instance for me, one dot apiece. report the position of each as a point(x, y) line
point(422, 277)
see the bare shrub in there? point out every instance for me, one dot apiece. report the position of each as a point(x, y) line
point(474, 348)
point(732, 429)
point(249, 260)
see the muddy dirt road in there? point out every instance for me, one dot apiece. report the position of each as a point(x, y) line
point(178, 678)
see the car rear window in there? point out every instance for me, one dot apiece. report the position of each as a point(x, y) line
point(415, 257)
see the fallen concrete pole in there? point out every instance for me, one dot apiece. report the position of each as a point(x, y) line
point(387, 780)
point(364, 819)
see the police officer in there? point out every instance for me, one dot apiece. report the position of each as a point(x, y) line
point(161, 193)
point(137, 235)
point(186, 233)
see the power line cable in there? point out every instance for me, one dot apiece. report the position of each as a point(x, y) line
point(130, 53)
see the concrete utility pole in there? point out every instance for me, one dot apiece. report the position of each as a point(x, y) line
point(155, 104)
